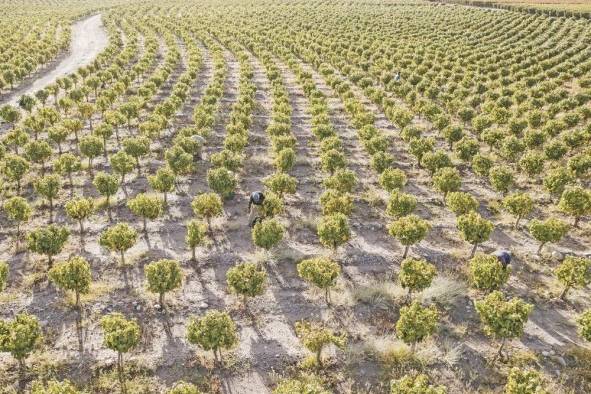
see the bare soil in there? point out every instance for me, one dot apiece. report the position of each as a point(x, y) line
point(89, 38)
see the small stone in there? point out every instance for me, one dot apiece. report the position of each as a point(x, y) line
point(556, 255)
point(203, 305)
point(545, 353)
point(157, 306)
point(559, 360)
point(138, 308)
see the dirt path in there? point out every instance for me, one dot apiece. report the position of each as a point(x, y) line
point(89, 38)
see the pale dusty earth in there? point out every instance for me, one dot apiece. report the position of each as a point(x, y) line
point(89, 38)
point(365, 299)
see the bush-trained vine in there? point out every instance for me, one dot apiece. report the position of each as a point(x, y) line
point(501, 318)
point(546, 231)
point(246, 280)
point(119, 238)
point(474, 229)
point(416, 323)
point(573, 272)
point(416, 275)
point(487, 273)
point(73, 275)
point(333, 230)
point(315, 337)
point(208, 206)
point(20, 336)
point(523, 381)
point(272, 179)
point(267, 234)
point(214, 331)
point(409, 230)
point(120, 335)
point(321, 272)
point(415, 384)
point(163, 276)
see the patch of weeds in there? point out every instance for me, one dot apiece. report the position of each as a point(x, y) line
point(46, 366)
point(459, 254)
point(306, 222)
point(445, 291)
point(522, 358)
point(138, 379)
point(382, 295)
point(452, 353)
point(355, 353)
point(262, 160)
point(100, 203)
point(8, 296)
point(340, 296)
point(576, 376)
point(585, 231)
point(495, 207)
point(97, 290)
point(373, 198)
point(457, 331)
point(427, 353)
point(545, 292)
point(304, 382)
point(289, 255)
point(234, 364)
point(33, 279)
point(209, 383)
point(260, 257)
point(308, 363)
point(229, 362)
point(397, 359)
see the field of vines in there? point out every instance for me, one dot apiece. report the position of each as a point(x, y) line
point(579, 8)
point(401, 145)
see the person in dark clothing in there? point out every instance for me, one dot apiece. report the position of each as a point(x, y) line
point(254, 207)
point(504, 257)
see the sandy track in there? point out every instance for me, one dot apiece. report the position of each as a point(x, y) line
point(89, 38)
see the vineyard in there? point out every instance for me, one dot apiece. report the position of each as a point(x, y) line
point(577, 8)
point(404, 149)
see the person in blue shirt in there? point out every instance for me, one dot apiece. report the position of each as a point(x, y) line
point(504, 257)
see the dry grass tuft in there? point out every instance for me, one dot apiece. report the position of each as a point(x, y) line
point(260, 257)
point(398, 360)
point(307, 222)
point(444, 291)
point(382, 295)
point(373, 198)
point(32, 279)
point(138, 379)
point(452, 354)
point(522, 358)
point(45, 365)
point(576, 377)
point(8, 297)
